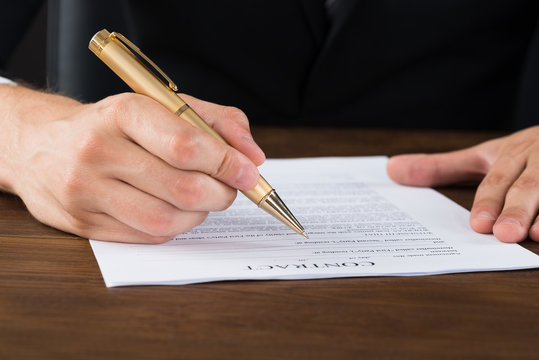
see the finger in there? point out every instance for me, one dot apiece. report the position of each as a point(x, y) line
point(144, 212)
point(438, 169)
point(520, 208)
point(534, 230)
point(87, 224)
point(491, 193)
point(177, 142)
point(99, 226)
point(185, 190)
point(231, 123)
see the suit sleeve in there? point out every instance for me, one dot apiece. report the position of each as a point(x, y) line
point(527, 112)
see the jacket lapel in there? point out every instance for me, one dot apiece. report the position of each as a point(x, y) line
point(317, 20)
point(336, 14)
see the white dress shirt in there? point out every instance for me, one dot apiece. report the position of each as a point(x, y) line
point(4, 80)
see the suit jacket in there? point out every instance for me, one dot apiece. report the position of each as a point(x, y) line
point(383, 63)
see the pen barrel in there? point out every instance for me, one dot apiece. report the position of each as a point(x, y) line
point(143, 81)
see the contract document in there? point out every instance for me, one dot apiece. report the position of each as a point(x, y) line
point(359, 223)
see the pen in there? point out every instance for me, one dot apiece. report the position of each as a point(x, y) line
point(113, 50)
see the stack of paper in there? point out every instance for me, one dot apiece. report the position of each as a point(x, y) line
point(359, 223)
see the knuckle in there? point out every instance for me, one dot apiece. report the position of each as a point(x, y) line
point(232, 113)
point(183, 147)
point(189, 191)
point(115, 107)
point(227, 165)
point(514, 212)
point(192, 191)
point(89, 147)
point(519, 148)
point(525, 183)
point(480, 205)
point(486, 205)
point(486, 202)
point(158, 222)
point(495, 179)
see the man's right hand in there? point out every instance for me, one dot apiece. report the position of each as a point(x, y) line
point(122, 169)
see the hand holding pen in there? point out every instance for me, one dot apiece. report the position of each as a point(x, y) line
point(116, 52)
point(124, 168)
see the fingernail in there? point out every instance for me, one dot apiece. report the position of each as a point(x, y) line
point(510, 221)
point(247, 177)
point(485, 215)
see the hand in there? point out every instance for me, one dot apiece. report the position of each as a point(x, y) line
point(507, 200)
point(125, 169)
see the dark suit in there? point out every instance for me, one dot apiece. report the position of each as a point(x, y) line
point(422, 63)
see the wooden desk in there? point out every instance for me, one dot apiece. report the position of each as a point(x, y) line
point(54, 304)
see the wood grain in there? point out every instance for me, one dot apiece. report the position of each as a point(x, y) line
point(54, 304)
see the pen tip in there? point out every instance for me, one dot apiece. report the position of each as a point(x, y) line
point(305, 234)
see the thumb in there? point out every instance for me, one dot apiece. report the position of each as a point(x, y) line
point(439, 169)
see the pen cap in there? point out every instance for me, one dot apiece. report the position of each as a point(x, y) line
point(132, 71)
point(97, 41)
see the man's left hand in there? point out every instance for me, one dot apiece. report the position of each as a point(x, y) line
point(507, 200)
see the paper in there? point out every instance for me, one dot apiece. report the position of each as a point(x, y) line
point(359, 222)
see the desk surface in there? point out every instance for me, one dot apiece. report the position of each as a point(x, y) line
point(54, 304)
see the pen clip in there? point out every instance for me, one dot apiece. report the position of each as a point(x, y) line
point(129, 44)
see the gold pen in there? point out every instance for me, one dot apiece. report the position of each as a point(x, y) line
point(113, 50)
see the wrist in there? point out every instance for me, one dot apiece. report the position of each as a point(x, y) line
point(23, 112)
